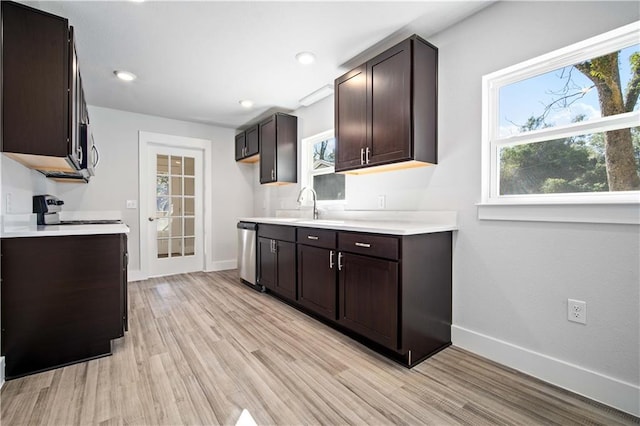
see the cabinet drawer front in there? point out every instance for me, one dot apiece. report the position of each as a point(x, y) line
point(368, 244)
point(317, 237)
point(277, 232)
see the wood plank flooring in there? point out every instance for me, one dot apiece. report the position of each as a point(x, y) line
point(202, 347)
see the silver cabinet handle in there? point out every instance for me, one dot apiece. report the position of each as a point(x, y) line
point(340, 255)
point(363, 245)
point(367, 155)
point(96, 156)
point(331, 253)
point(312, 237)
point(361, 156)
point(273, 174)
point(151, 219)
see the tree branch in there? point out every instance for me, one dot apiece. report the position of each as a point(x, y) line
point(633, 87)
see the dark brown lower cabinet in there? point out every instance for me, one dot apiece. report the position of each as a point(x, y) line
point(390, 292)
point(369, 297)
point(317, 280)
point(277, 259)
point(63, 299)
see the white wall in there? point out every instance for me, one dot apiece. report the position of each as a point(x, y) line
point(512, 279)
point(21, 184)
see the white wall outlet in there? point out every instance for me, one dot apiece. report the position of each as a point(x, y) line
point(132, 204)
point(8, 203)
point(577, 311)
point(381, 201)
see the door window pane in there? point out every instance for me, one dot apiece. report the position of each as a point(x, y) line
point(189, 166)
point(189, 206)
point(176, 247)
point(162, 185)
point(174, 232)
point(189, 186)
point(189, 226)
point(176, 206)
point(176, 165)
point(176, 185)
point(163, 248)
point(162, 164)
point(189, 246)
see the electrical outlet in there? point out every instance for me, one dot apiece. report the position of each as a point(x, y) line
point(132, 204)
point(8, 204)
point(577, 311)
point(381, 201)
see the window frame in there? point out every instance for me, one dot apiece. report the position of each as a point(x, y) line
point(306, 165)
point(622, 37)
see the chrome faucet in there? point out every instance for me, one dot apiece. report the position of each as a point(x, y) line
point(315, 199)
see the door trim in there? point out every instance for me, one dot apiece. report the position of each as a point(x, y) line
point(145, 139)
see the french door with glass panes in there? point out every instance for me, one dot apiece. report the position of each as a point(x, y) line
point(176, 222)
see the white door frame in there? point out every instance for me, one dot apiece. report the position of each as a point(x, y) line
point(145, 139)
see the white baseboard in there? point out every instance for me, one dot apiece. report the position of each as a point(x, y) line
point(135, 275)
point(222, 265)
point(1, 371)
point(608, 390)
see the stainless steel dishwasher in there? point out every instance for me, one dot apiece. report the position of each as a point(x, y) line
point(247, 242)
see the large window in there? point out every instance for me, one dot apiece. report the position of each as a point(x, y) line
point(565, 127)
point(318, 171)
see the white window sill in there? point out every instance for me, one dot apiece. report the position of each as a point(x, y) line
point(619, 213)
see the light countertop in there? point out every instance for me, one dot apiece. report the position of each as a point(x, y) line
point(64, 230)
point(381, 226)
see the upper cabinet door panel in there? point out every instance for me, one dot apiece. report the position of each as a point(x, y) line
point(268, 150)
point(351, 118)
point(240, 141)
point(35, 80)
point(252, 141)
point(389, 87)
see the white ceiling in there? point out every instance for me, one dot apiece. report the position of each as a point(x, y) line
point(196, 60)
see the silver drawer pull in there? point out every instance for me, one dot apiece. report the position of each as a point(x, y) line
point(312, 237)
point(363, 245)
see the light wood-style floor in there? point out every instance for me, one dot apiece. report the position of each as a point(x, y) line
point(202, 347)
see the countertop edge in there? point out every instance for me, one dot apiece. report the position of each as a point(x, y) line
point(66, 230)
point(382, 227)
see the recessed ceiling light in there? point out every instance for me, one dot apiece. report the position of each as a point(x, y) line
point(246, 103)
point(125, 75)
point(306, 58)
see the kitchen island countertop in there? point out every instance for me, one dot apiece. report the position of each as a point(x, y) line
point(63, 230)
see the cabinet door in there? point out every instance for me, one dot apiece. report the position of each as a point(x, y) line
point(240, 144)
point(368, 297)
point(267, 272)
point(66, 309)
point(389, 113)
point(251, 141)
point(286, 274)
point(35, 82)
point(351, 119)
point(268, 151)
point(317, 280)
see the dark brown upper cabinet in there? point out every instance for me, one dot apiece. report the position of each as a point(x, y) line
point(39, 92)
point(278, 149)
point(248, 146)
point(386, 110)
